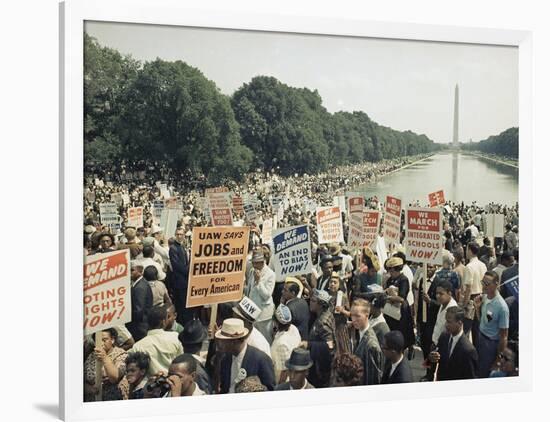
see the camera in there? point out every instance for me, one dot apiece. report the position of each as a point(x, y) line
point(160, 383)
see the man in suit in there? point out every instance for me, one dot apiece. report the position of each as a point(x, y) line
point(240, 360)
point(142, 302)
point(398, 370)
point(298, 369)
point(180, 273)
point(455, 354)
point(365, 343)
point(297, 305)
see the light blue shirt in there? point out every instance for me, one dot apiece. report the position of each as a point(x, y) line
point(498, 311)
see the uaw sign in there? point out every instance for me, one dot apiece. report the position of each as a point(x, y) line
point(107, 301)
point(216, 272)
point(292, 251)
point(423, 241)
point(392, 220)
point(436, 198)
point(329, 225)
point(221, 217)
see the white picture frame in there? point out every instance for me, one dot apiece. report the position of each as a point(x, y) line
point(73, 14)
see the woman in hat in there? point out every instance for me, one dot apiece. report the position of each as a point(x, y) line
point(341, 312)
point(397, 288)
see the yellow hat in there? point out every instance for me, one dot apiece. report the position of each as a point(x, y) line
point(394, 261)
point(295, 281)
point(373, 258)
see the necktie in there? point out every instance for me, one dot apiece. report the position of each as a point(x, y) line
point(450, 345)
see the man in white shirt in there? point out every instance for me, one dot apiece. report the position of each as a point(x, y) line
point(248, 311)
point(162, 346)
point(260, 283)
point(445, 299)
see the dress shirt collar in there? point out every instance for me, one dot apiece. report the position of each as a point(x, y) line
point(395, 365)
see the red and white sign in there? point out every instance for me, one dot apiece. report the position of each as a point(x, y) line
point(436, 198)
point(423, 241)
point(219, 198)
point(356, 204)
point(363, 228)
point(392, 220)
point(329, 225)
point(221, 217)
point(238, 205)
point(107, 300)
point(135, 217)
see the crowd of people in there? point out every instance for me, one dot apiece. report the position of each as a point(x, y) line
point(355, 319)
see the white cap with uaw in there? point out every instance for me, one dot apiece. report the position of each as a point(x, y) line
point(247, 309)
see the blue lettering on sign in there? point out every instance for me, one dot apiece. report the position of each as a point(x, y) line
point(290, 238)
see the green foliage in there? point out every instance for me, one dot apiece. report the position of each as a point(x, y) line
point(107, 75)
point(505, 144)
point(173, 112)
point(170, 111)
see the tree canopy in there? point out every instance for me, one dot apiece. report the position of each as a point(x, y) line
point(170, 111)
point(505, 144)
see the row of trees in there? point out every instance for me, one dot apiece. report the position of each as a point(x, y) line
point(170, 111)
point(505, 144)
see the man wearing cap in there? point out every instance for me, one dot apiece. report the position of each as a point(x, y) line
point(131, 243)
point(260, 283)
point(298, 306)
point(321, 338)
point(248, 311)
point(345, 268)
point(298, 369)
point(192, 338)
point(141, 300)
point(240, 360)
point(286, 339)
point(162, 251)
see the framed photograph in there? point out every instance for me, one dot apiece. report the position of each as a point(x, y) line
point(258, 203)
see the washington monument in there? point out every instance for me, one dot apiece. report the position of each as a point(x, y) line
point(455, 121)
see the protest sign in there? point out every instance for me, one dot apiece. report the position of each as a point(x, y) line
point(219, 197)
point(135, 217)
point(292, 251)
point(158, 206)
point(250, 212)
point(363, 228)
point(276, 202)
point(494, 225)
point(423, 242)
point(267, 229)
point(329, 225)
point(169, 221)
point(108, 212)
point(356, 204)
point(107, 301)
point(392, 220)
point(436, 198)
point(221, 217)
point(216, 273)
point(238, 205)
